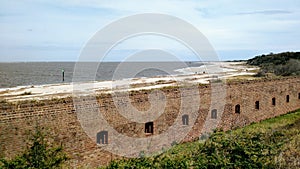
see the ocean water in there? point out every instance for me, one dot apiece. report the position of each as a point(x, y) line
point(39, 73)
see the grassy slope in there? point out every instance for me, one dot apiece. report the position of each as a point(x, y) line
point(273, 143)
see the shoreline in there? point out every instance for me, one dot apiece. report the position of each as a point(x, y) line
point(212, 71)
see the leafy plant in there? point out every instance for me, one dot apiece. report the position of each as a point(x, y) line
point(38, 155)
point(281, 64)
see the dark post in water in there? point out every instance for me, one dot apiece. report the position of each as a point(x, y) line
point(63, 75)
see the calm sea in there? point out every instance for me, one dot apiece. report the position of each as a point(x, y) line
point(38, 73)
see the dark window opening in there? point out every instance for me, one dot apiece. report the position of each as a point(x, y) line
point(298, 95)
point(257, 105)
point(149, 127)
point(238, 109)
point(273, 101)
point(102, 137)
point(185, 119)
point(214, 114)
point(287, 98)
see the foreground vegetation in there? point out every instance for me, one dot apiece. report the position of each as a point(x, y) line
point(39, 154)
point(273, 143)
point(281, 64)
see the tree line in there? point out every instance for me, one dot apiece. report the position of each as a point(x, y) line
point(280, 64)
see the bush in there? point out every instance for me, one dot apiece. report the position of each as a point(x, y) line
point(281, 64)
point(291, 68)
point(246, 150)
point(260, 74)
point(37, 155)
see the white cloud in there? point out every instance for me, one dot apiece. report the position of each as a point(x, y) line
point(228, 24)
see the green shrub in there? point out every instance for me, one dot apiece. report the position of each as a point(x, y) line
point(281, 64)
point(37, 155)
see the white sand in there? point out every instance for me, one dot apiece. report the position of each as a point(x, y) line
point(213, 70)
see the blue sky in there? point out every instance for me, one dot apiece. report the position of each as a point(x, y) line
point(53, 30)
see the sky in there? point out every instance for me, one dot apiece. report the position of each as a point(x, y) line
point(54, 30)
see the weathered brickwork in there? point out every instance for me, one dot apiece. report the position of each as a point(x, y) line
point(246, 102)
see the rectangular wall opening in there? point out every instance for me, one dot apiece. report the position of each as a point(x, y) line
point(102, 137)
point(149, 127)
point(238, 109)
point(257, 105)
point(214, 114)
point(273, 101)
point(185, 120)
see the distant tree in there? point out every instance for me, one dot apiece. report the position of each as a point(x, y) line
point(292, 67)
point(282, 64)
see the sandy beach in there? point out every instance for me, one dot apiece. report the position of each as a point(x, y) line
point(191, 75)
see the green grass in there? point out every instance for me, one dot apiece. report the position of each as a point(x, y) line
point(273, 143)
point(273, 123)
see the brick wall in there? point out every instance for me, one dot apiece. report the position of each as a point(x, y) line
point(58, 116)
